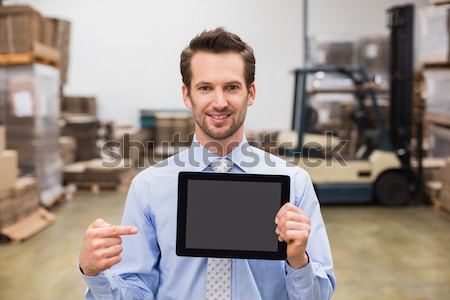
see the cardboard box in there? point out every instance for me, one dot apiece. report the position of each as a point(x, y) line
point(436, 2)
point(79, 105)
point(61, 41)
point(68, 149)
point(94, 171)
point(333, 52)
point(29, 226)
point(21, 24)
point(8, 169)
point(20, 202)
point(2, 139)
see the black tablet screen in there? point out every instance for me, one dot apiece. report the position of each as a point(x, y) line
point(232, 215)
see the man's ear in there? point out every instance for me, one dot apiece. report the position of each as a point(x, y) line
point(186, 96)
point(251, 94)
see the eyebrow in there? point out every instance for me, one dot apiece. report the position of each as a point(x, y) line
point(209, 83)
point(234, 82)
point(203, 83)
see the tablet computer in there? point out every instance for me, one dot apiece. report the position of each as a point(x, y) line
point(230, 215)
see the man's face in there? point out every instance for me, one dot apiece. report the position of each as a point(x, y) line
point(218, 96)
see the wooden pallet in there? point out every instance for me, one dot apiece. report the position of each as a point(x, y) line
point(438, 119)
point(437, 65)
point(28, 226)
point(41, 54)
point(98, 187)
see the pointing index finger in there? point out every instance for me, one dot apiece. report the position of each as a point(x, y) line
point(114, 231)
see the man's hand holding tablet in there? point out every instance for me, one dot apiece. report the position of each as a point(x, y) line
point(293, 227)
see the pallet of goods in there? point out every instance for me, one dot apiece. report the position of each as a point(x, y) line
point(434, 48)
point(29, 100)
point(97, 175)
point(20, 213)
point(23, 40)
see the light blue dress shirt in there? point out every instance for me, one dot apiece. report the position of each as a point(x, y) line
point(150, 268)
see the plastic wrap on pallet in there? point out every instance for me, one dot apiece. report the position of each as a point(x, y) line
point(333, 51)
point(437, 91)
point(439, 141)
point(30, 94)
point(373, 56)
point(434, 34)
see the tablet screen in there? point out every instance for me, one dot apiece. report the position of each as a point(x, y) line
point(230, 213)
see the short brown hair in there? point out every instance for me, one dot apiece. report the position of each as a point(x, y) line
point(218, 41)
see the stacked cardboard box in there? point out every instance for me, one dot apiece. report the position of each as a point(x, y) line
point(333, 52)
point(58, 35)
point(68, 149)
point(85, 130)
point(18, 202)
point(435, 34)
point(8, 164)
point(24, 32)
point(132, 143)
point(438, 2)
point(31, 110)
point(168, 127)
point(21, 26)
point(174, 128)
point(20, 215)
point(104, 174)
point(76, 105)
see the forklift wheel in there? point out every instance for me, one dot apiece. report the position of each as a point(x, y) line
point(392, 189)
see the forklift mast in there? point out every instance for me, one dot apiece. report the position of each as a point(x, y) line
point(401, 24)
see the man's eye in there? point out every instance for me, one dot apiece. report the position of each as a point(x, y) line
point(233, 87)
point(204, 88)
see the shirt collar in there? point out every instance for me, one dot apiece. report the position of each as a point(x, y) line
point(199, 158)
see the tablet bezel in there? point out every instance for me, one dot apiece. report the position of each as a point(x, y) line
point(183, 179)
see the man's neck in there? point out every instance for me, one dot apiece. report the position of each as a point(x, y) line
point(220, 147)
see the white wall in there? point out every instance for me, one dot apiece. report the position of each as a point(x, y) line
point(127, 52)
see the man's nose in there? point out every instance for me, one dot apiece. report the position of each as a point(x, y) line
point(219, 102)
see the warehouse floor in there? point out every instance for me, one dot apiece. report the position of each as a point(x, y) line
point(379, 253)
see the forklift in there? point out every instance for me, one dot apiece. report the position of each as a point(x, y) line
point(381, 170)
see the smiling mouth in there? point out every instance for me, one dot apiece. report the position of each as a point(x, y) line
point(218, 117)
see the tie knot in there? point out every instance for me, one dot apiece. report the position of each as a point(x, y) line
point(221, 165)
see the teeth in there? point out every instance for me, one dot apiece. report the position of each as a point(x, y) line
point(221, 117)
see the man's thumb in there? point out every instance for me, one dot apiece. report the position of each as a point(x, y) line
point(99, 223)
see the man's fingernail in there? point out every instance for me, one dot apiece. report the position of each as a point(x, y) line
point(133, 230)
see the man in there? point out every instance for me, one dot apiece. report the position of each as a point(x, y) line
point(218, 84)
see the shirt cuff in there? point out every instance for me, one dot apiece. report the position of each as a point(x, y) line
point(98, 285)
point(302, 277)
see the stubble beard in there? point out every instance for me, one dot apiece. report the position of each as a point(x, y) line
point(235, 125)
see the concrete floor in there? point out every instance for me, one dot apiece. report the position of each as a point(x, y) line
point(379, 253)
